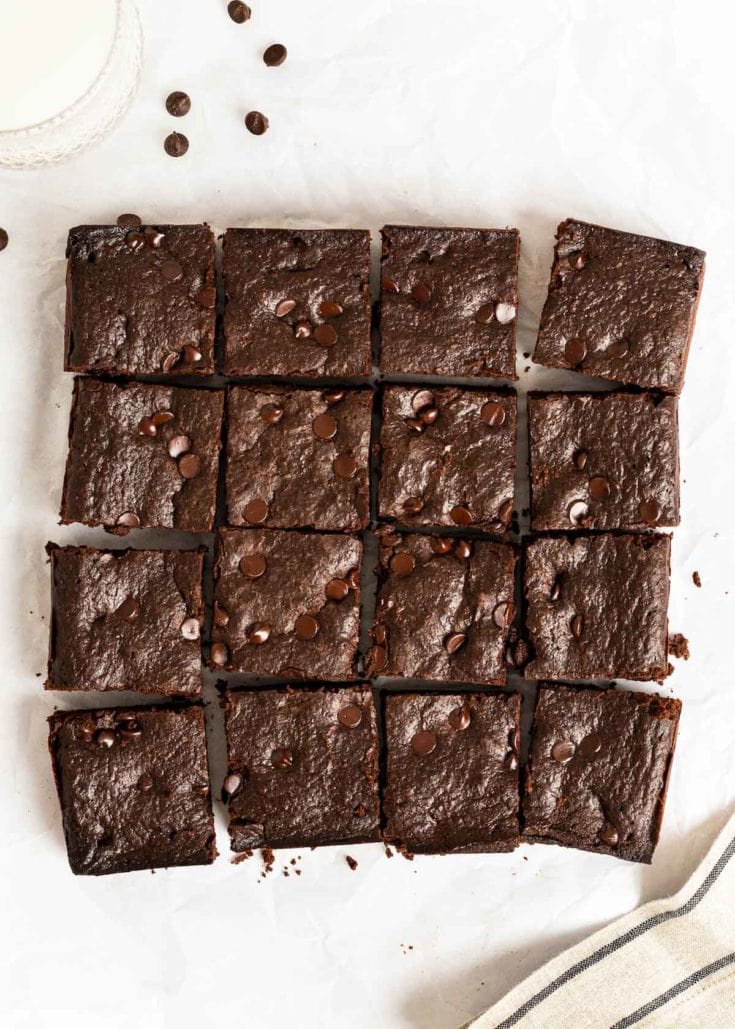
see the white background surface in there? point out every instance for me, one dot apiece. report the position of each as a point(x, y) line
point(470, 112)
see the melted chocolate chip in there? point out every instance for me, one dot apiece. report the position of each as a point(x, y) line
point(350, 716)
point(345, 466)
point(649, 511)
point(179, 445)
point(590, 746)
point(256, 511)
point(454, 642)
point(413, 505)
point(575, 351)
point(189, 466)
point(282, 757)
point(424, 398)
point(253, 566)
point(129, 221)
point(402, 563)
point(218, 655)
point(577, 626)
point(306, 627)
point(271, 414)
point(325, 335)
point(336, 589)
point(485, 314)
point(284, 307)
point(190, 629)
point(258, 633)
point(330, 309)
point(609, 835)
point(459, 718)
point(599, 487)
point(461, 515)
point(423, 743)
point(421, 293)
point(324, 426)
point(441, 545)
point(390, 286)
point(463, 549)
point(580, 459)
point(493, 414)
point(129, 609)
point(563, 751)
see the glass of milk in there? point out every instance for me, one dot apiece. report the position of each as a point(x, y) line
point(68, 71)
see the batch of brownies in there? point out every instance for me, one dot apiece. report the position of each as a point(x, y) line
point(244, 405)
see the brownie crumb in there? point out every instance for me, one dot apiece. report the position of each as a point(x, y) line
point(239, 858)
point(697, 580)
point(269, 859)
point(679, 646)
point(351, 862)
point(388, 851)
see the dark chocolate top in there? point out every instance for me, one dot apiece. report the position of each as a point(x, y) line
point(125, 620)
point(449, 301)
point(444, 610)
point(297, 302)
point(304, 453)
point(130, 464)
point(603, 460)
point(302, 767)
point(287, 604)
point(451, 780)
point(140, 300)
point(134, 788)
point(620, 306)
point(447, 457)
point(597, 769)
point(597, 606)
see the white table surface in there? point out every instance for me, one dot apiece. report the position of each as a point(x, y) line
point(467, 112)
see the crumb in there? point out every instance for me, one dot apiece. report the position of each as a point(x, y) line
point(388, 851)
point(527, 368)
point(239, 858)
point(38, 675)
point(525, 858)
point(696, 579)
point(285, 872)
point(405, 852)
point(526, 354)
point(679, 646)
point(298, 871)
point(269, 859)
point(351, 862)
point(153, 871)
point(293, 861)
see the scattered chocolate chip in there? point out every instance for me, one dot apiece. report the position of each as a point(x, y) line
point(330, 309)
point(618, 348)
point(172, 270)
point(505, 313)
point(441, 545)
point(306, 627)
point(274, 55)
point(454, 642)
point(147, 427)
point(350, 716)
point(485, 314)
point(130, 730)
point(218, 655)
point(379, 633)
point(129, 221)
point(697, 580)
point(302, 330)
point(145, 782)
point(129, 520)
point(599, 487)
point(402, 563)
point(284, 307)
point(176, 144)
point(577, 261)
point(459, 718)
point(555, 591)
point(162, 417)
point(415, 424)
point(207, 298)
point(563, 751)
point(590, 746)
point(493, 414)
point(258, 633)
point(510, 762)
point(189, 466)
point(256, 511)
point(377, 658)
point(390, 286)
point(153, 237)
point(129, 609)
point(575, 351)
point(179, 445)
point(463, 549)
point(221, 616)
point(351, 862)
point(169, 361)
point(178, 103)
point(333, 397)
point(580, 459)
point(324, 426)
point(504, 613)
point(256, 123)
point(609, 835)
point(421, 293)
point(354, 579)
point(239, 12)
point(231, 785)
point(578, 511)
point(423, 398)
point(413, 505)
point(105, 738)
point(336, 589)
point(423, 742)
point(253, 566)
point(282, 757)
point(505, 512)
point(429, 415)
point(325, 335)
point(271, 413)
point(135, 240)
point(190, 629)
point(345, 466)
point(577, 626)
point(649, 511)
point(461, 515)
point(191, 355)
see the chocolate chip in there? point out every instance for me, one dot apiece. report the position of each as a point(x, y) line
point(129, 520)
point(390, 286)
point(105, 738)
point(168, 362)
point(505, 512)
point(274, 55)
point(218, 655)
point(176, 144)
point(253, 566)
point(221, 616)
point(578, 511)
point(429, 415)
point(505, 313)
point(413, 505)
point(461, 515)
point(563, 751)
point(256, 511)
point(191, 355)
point(577, 261)
point(577, 626)
point(504, 613)
point(135, 240)
point(423, 743)
point(179, 445)
point(258, 633)
point(153, 237)
point(178, 103)
point(555, 591)
point(324, 426)
point(302, 330)
point(231, 785)
point(510, 762)
point(256, 123)
point(575, 351)
point(580, 459)
point(493, 414)
point(350, 716)
point(145, 782)
point(459, 718)
point(325, 335)
point(421, 293)
point(147, 427)
point(377, 658)
point(618, 348)
point(415, 424)
point(336, 589)
point(330, 309)
point(463, 549)
point(284, 307)
point(333, 397)
point(402, 563)
point(423, 398)
point(129, 609)
point(271, 414)
point(609, 835)
point(649, 511)
point(239, 12)
point(129, 221)
point(3, 239)
point(130, 730)
point(282, 757)
point(190, 629)
point(162, 417)
point(345, 466)
point(590, 746)
point(354, 579)
point(306, 627)
point(454, 642)
point(172, 270)
point(441, 545)
point(379, 634)
point(485, 314)
point(189, 466)
point(599, 487)
point(207, 298)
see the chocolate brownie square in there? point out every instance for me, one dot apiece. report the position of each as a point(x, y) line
point(298, 458)
point(620, 306)
point(286, 604)
point(444, 610)
point(447, 457)
point(449, 300)
point(125, 620)
point(302, 767)
point(142, 455)
point(297, 302)
point(451, 774)
point(140, 300)
point(603, 460)
point(596, 606)
point(134, 788)
point(598, 768)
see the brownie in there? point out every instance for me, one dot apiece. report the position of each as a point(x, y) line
point(596, 606)
point(451, 773)
point(447, 457)
point(598, 768)
point(449, 301)
point(125, 620)
point(142, 455)
point(298, 458)
point(286, 604)
point(297, 302)
point(302, 767)
point(134, 788)
point(444, 609)
point(620, 306)
point(140, 300)
point(603, 460)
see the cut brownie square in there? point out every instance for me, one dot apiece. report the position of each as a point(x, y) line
point(134, 788)
point(620, 306)
point(286, 604)
point(142, 455)
point(603, 460)
point(596, 606)
point(298, 458)
point(140, 300)
point(447, 457)
point(445, 609)
point(449, 301)
point(598, 768)
point(125, 620)
point(451, 778)
point(297, 302)
point(302, 767)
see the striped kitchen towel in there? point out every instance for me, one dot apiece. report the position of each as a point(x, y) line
point(668, 964)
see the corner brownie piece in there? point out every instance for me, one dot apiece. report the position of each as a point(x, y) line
point(620, 306)
point(598, 769)
point(134, 788)
point(142, 455)
point(449, 301)
point(597, 606)
point(286, 604)
point(297, 302)
point(302, 767)
point(298, 458)
point(140, 300)
point(444, 610)
point(126, 620)
point(451, 777)
point(447, 457)
point(603, 460)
